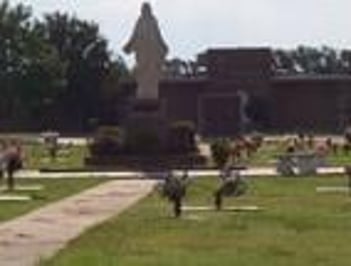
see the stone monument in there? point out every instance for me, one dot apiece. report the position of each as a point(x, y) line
point(146, 117)
point(148, 138)
point(245, 120)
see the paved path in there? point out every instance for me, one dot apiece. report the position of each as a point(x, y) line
point(40, 234)
point(255, 172)
point(36, 138)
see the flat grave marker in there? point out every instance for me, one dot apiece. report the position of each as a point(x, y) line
point(28, 188)
point(332, 189)
point(14, 198)
point(338, 189)
point(251, 208)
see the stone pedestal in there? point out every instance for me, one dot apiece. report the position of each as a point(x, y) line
point(145, 142)
point(151, 110)
point(146, 119)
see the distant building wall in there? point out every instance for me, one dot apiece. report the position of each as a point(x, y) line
point(318, 104)
point(219, 115)
point(181, 99)
point(277, 103)
point(228, 72)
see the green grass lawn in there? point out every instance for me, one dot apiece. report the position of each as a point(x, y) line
point(267, 156)
point(340, 159)
point(54, 189)
point(37, 156)
point(297, 227)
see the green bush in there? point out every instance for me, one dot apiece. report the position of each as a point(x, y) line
point(220, 150)
point(181, 137)
point(257, 138)
point(347, 134)
point(107, 141)
point(142, 140)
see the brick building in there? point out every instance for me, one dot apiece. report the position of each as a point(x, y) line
point(241, 92)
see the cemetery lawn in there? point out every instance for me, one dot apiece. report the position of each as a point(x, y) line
point(297, 227)
point(54, 189)
point(37, 156)
point(268, 153)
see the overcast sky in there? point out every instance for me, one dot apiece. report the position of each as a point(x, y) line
point(192, 26)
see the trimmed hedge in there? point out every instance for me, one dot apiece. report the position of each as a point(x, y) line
point(220, 150)
point(108, 141)
point(142, 141)
point(181, 138)
point(178, 139)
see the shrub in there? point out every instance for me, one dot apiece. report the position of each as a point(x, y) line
point(347, 134)
point(257, 138)
point(220, 150)
point(181, 137)
point(107, 141)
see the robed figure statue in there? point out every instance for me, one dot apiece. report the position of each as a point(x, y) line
point(150, 51)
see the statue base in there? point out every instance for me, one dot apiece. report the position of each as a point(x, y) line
point(146, 126)
point(149, 106)
point(145, 143)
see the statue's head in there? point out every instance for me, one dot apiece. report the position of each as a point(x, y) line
point(146, 9)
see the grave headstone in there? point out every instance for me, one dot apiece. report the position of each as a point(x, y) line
point(301, 163)
point(28, 188)
point(14, 198)
point(338, 189)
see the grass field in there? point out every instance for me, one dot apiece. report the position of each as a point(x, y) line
point(54, 189)
point(267, 156)
point(297, 227)
point(37, 156)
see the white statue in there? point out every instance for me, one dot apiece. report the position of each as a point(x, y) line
point(244, 102)
point(150, 51)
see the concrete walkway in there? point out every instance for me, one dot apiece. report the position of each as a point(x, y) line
point(42, 233)
point(254, 172)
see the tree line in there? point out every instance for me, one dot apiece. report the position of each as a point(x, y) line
point(53, 71)
point(312, 60)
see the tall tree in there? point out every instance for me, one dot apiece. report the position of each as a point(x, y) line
point(179, 68)
point(311, 60)
point(29, 68)
point(80, 45)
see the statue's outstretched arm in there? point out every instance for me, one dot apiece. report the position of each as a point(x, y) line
point(128, 48)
